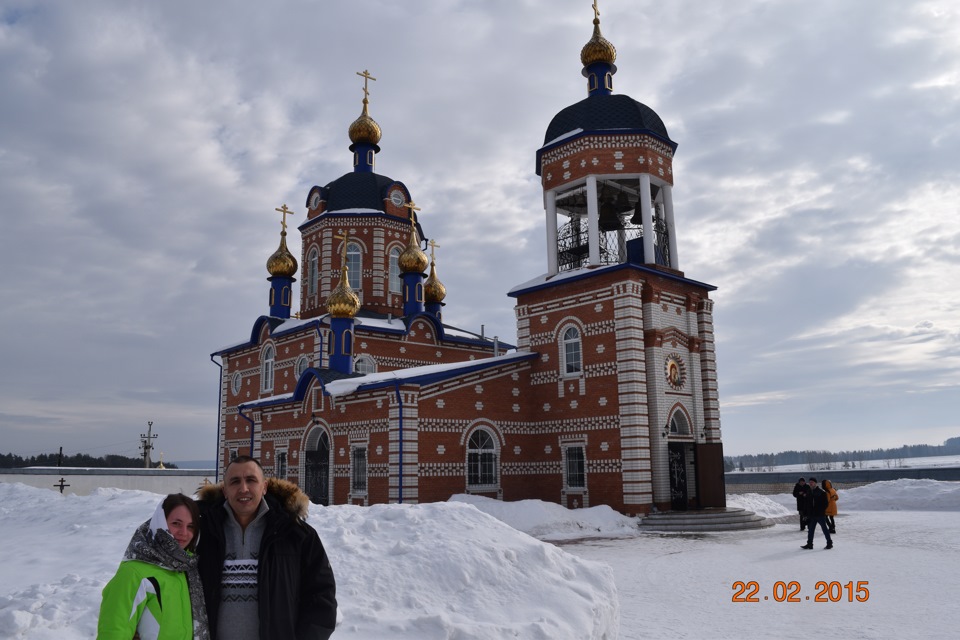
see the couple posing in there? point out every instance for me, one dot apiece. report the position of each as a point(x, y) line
point(257, 572)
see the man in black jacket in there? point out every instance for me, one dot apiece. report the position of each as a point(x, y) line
point(816, 504)
point(265, 573)
point(800, 493)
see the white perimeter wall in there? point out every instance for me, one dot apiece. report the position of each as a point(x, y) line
point(84, 481)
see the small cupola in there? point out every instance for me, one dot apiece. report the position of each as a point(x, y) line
point(598, 57)
point(364, 133)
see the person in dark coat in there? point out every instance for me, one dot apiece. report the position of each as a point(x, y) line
point(265, 573)
point(800, 493)
point(816, 506)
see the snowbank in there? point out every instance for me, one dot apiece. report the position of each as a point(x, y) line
point(892, 495)
point(442, 570)
point(761, 505)
point(549, 521)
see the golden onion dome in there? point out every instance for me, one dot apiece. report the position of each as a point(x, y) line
point(365, 128)
point(598, 49)
point(342, 301)
point(433, 289)
point(282, 262)
point(412, 260)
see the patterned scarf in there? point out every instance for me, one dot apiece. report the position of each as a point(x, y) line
point(160, 548)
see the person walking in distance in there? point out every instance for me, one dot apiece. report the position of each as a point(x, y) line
point(832, 499)
point(800, 493)
point(265, 573)
point(816, 505)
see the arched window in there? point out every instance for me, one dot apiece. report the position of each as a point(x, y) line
point(266, 378)
point(313, 271)
point(396, 284)
point(481, 459)
point(679, 424)
point(354, 262)
point(364, 364)
point(572, 353)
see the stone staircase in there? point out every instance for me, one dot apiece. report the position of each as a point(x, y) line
point(704, 520)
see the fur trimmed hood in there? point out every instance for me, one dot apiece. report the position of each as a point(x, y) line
point(294, 501)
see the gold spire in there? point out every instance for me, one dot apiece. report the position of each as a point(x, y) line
point(282, 262)
point(412, 260)
point(598, 49)
point(342, 301)
point(433, 289)
point(365, 128)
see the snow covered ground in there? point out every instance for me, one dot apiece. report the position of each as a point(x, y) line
point(892, 463)
point(467, 568)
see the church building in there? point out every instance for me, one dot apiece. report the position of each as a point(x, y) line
point(609, 397)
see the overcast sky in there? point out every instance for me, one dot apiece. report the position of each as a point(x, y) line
point(145, 145)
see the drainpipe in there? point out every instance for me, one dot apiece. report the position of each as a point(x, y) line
point(216, 467)
point(240, 411)
point(400, 416)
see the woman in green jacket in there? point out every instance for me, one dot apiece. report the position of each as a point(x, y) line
point(156, 592)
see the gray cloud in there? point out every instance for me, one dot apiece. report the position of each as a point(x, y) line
point(143, 147)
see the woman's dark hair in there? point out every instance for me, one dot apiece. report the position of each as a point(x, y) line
point(175, 500)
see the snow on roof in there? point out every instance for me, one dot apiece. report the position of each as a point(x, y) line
point(354, 210)
point(282, 397)
point(565, 135)
point(389, 324)
point(350, 385)
point(557, 277)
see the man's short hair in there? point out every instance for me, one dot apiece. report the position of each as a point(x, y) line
point(811, 479)
point(241, 460)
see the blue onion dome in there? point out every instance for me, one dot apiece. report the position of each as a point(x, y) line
point(604, 113)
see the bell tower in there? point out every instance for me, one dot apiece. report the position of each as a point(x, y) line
point(613, 316)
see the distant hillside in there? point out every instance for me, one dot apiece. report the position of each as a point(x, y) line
point(842, 459)
point(111, 461)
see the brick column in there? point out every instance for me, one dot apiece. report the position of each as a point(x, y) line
point(632, 395)
point(708, 372)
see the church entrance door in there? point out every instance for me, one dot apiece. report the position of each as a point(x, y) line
point(678, 476)
point(317, 472)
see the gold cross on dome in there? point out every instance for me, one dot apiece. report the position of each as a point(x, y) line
point(343, 253)
point(596, 10)
point(433, 245)
point(413, 209)
point(366, 76)
point(284, 213)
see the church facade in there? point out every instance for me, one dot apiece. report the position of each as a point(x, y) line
point(608, 397)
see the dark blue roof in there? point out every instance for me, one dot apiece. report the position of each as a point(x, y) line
point(357, 190)
point(601, 112)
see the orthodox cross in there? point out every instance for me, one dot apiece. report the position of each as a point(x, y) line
point(343, 254)
point(433, 245)
point(413, 208)
point(61, 484)
point(596, 10)
point(283, 219)
point(366, 76)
